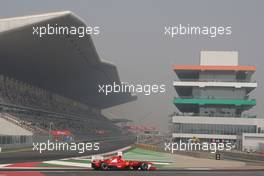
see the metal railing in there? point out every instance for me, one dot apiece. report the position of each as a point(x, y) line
point(214, 80)
point(213, 115)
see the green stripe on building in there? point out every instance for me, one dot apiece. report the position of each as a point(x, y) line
point(214, 101)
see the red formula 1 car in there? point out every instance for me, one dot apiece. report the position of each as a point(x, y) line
point(118, 163)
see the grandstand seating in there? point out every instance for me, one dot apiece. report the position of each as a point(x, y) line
point(40, 124)
point(51, 112)
point(19, 93)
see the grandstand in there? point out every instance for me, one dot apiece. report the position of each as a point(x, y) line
point(52, 83)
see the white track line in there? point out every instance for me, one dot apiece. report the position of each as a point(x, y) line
point(67, 163)
point(4, 165)
point(160, 163)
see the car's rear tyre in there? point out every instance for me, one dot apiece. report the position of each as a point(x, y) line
point(104, 166)
point(135, 168)
point(144, 166)
point(130, 168)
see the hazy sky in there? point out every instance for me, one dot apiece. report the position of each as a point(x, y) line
point(132, 37)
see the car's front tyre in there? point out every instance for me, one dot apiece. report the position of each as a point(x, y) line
point(144, 166)
point(104, 166)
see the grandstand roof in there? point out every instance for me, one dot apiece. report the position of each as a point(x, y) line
point(63, 64)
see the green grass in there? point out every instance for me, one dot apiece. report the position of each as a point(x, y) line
point(16, 150)
point(146, 155)
point(78, 161)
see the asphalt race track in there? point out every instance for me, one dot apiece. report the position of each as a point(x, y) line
point(34, 156)
point(138, 173)
point(158, 173)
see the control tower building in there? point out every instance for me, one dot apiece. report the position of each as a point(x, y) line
point(212, 100)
